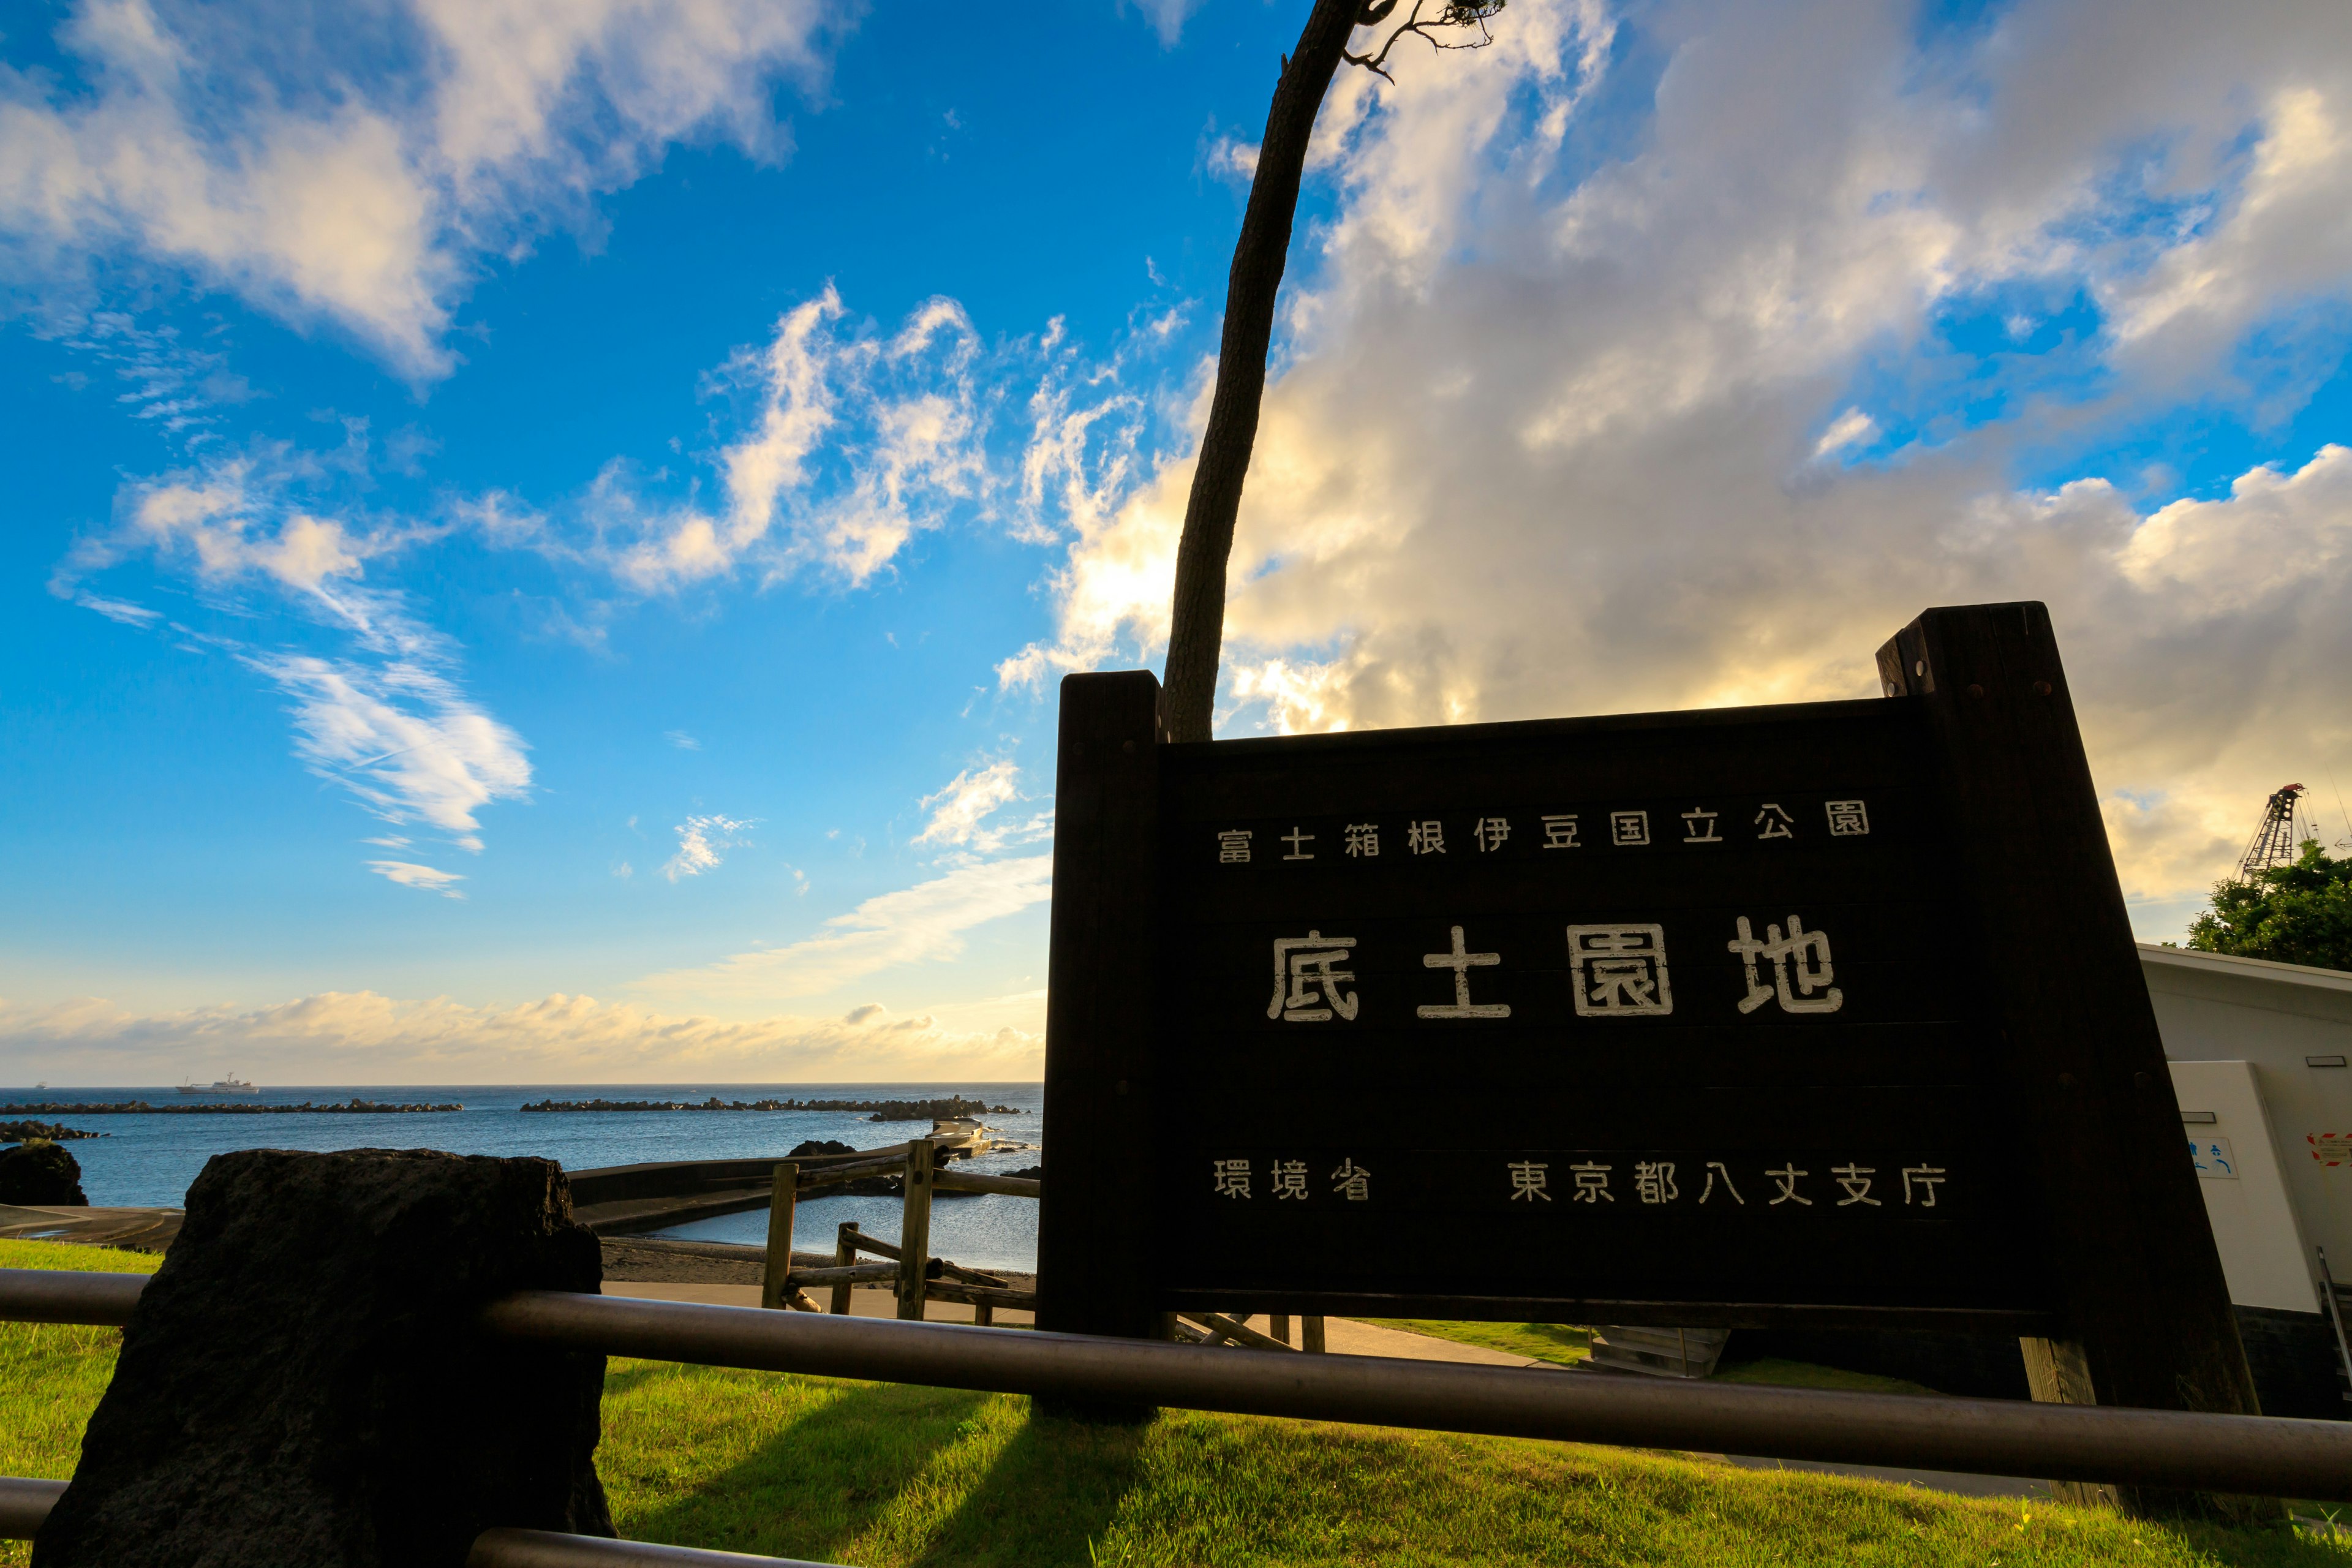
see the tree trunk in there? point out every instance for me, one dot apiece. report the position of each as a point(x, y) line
point(1197, 627)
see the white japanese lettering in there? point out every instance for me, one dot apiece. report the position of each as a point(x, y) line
point(1307, 976)
point(1462, 962)
point(1787, 1177)
point(1802, 957)
point(1618, 971)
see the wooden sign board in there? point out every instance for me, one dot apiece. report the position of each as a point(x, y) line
point(1823, 1015)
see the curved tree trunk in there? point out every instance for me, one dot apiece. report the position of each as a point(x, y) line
point(1196, 633)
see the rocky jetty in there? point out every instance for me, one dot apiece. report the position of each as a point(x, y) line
point(883, 1109)
point(55, 1133)
point(354, 1107)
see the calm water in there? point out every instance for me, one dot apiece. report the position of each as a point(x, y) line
point(150, 1160)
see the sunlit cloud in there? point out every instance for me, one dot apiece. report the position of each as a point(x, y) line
point(425, 877)
point(374, 206)
point(364, 1037)
point(700, 841)
point(922, 924)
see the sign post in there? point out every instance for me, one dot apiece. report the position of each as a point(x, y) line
point(1823, 1015)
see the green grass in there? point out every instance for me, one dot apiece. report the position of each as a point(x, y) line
point(1537, 1341)
point(51, 1373)
point(883, 1475)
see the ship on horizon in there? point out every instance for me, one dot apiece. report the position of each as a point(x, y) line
point(231, 1084)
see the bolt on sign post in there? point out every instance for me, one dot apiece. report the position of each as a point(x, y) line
point(1823, 1015)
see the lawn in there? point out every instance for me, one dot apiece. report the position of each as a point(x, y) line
point(880, 1474)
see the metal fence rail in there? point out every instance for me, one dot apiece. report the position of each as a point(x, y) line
point(2263, 1455)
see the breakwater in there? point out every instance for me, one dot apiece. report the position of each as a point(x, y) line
point(142, 1108)
point(55, 1133)
point(882, 1110)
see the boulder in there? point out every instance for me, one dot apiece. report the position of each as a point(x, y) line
point(40, 1174)
point(819, 1146)
point(303, 1385)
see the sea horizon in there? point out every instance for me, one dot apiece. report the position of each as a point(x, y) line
point(148, 1160)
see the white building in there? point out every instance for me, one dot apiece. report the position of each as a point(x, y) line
point(2259, 1054)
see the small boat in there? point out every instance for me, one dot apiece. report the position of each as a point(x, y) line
point(229, 1085)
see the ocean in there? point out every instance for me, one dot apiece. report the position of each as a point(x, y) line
point(149, 1161)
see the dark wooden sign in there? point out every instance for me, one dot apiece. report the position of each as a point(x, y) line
point(1826, 1013)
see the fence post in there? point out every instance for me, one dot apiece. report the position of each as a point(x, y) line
point(915, 1229)
point(1278, 1324)
point(776, 1284)
point(845, 1253)
point(1311, 1335)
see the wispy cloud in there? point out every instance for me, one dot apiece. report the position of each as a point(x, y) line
point(402, 739)
point(961, 809)
point(681, 739)
point(699, 840)
point(385, 716)
point(922, 924)
point(408, 874)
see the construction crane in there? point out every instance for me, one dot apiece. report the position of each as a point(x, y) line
point(2274, 843)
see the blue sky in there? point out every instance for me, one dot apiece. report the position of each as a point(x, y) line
point(540, 548)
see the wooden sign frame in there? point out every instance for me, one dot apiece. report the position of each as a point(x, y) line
point(2127, 1299)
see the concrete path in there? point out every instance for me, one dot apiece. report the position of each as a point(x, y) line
point(1342, 1336)
point(137, 1229)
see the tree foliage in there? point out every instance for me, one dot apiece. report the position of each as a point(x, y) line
point(2299, 913)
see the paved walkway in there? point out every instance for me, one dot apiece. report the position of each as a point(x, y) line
point(1341, 1336)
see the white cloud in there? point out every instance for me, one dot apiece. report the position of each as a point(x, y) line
point(962, 804)
point(402, 739)
point(1543, 432)
point(699, 840)
point(1231, 158)
point(922, 924)
point(410, 875)
point(1851, 428)
point(681, 739)
point(907, 425)
point(363, 1038)
point(122, 610)
point(386, 719)
point(291, 165)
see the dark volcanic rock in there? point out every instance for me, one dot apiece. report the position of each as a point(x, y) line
point(40, 1174)
point(819, 1146)
point(302, 1385)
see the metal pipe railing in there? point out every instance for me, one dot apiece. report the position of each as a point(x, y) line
point(25, 1506)
point(2263, 1455)
point(2259, 1454)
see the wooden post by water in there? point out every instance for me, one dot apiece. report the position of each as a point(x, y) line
point(2128, 1249)
point(915, 1229)
point(845, 1253)
point(776, 1282)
